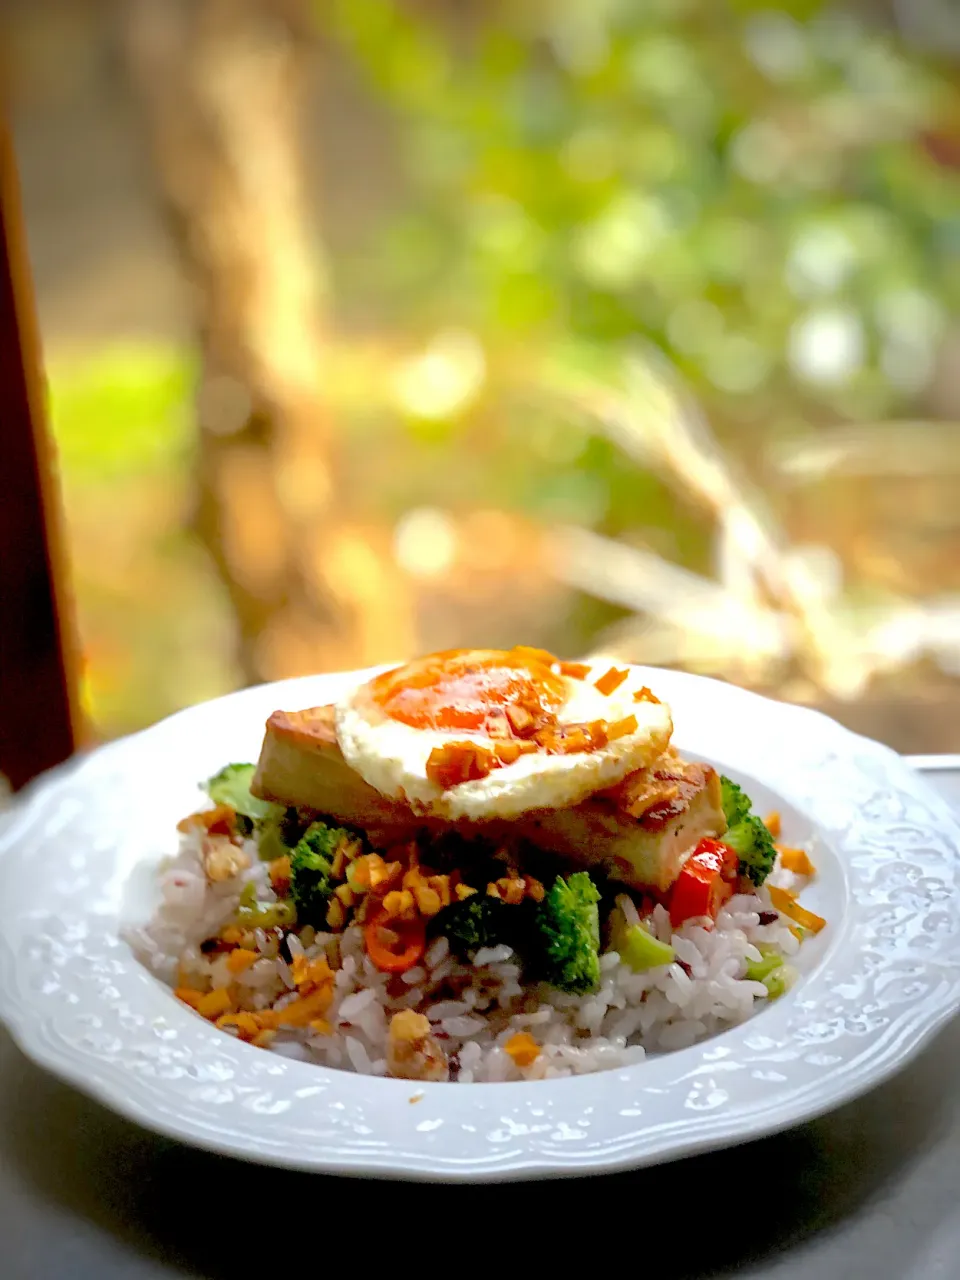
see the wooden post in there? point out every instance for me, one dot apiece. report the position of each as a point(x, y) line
point(39, 714)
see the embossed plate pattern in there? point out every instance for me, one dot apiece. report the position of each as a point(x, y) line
point(80, 849)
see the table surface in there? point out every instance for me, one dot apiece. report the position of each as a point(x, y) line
point(867, 1191)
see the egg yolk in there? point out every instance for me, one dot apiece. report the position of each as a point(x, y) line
point(470, 689)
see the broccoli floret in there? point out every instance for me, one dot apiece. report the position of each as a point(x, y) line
point(231, 786)
point(479, 921)
point(753, 844)
point(311, 871)
point(279, 834)
point(567, 935)
point(735, 801)
point(746, 834)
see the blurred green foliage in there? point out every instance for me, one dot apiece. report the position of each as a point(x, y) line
point(123, 410)
point(153, 616)
point(746, 187)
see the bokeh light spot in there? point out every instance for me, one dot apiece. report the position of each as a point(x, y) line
point(444, 379)
point(826, 346)
point(425, 542)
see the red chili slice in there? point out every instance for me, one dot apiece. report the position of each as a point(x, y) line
point(411, 942)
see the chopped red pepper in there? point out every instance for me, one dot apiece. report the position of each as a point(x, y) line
point(706, 880)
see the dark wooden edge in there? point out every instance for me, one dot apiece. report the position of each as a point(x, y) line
point(39, 709)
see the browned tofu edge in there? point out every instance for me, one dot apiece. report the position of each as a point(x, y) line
point(301, 765)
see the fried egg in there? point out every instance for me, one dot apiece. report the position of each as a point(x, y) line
point(485, 733)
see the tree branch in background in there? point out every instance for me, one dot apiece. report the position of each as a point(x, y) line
point(683, 618)
point(221, 83)
point(655, 424)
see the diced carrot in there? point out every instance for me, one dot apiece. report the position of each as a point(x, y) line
point(457, 762)
point(521, 720)
point(772, 823)
point(363, 869)
point(611, 680)
point(217, 821)
point(246, 1023)
point(511, 888)
point(336, 916)
point(310, 973)
point(215, 1002)
point(786, 902)
point(189, 996)
point(279, 868)
point(320, 1026)
point(523, 1049)
point(645, 695)
point(441, 886)
point(238, 961)
point(806, 919)
point(526, 653)
point(572, 739)
point(231, 935)
point(301, 1012)
point(263, 1039)
point(620, 728)
point(797, 861)
point(534, 889)
point(399, 904)
point(574, 670)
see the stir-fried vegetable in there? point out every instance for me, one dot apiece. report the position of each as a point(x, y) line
point(797, 861)
point(566, 934)
point(770, 970)
point(753, 844)
point(394, 945)
point(638, 948)
point(746, 834)
point(734, 801)
point(776, 981)
point(758, 970)
point(252, 914)
point(522, 1048)
point(270, 840)
point(786, 902)
point(231, 786)
point(311, 871)
point(477, 921)
point(704, 884)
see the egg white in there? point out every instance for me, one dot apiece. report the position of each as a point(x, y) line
point(392, 756)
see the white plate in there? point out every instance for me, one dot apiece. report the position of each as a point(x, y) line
point(876, 983)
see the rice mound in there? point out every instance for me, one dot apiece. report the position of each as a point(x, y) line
point(474, 1008)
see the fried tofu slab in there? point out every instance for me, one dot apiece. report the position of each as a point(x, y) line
point(637, 833)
